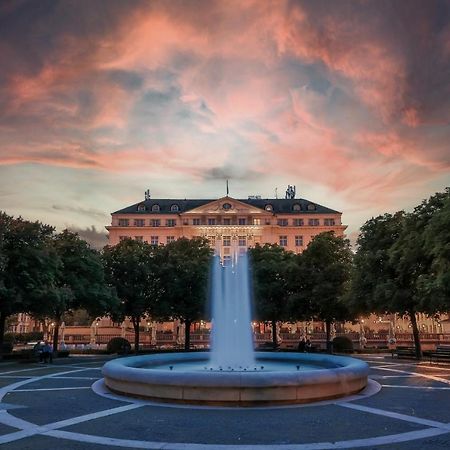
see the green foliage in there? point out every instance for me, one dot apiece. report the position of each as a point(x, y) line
point(24, 337)
point(342, 344)
point(118, 345)
point(184, 275)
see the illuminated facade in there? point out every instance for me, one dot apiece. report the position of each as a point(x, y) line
point(231, 225)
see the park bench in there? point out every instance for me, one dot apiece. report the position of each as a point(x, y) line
point(442, 352)
point(404, 352)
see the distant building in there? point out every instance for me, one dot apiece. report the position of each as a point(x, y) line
point(231, 225)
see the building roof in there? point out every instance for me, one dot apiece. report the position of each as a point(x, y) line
point(279, 206)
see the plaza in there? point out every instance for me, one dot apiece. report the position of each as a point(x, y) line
point(66, 406)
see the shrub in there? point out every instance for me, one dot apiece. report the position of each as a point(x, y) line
point(7, 348)
point(342, 344)
point(118, 345)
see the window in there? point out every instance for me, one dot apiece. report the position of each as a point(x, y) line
point(141, 207)
point(311, 207)
point(212, 240)
point(195, 221)
point(329, 222)
point(171, 222)
point(256, 221)
point(226, 206)
point(139, 238)
point(156, 208)
point(242, 241)
point(313, 222)
point(170, 239)
point(211, 221)
point(298, 222)
point(226, 251)
point(226, 241)
point(174, 208)
point(139, 222)
point(268, 208)
point(124, 222)
point(155, 222)
point(227, 221)
point(296, 207)
point(242, 221)
point(154, 240)
point(227, 260)
point(299, 241)
point(283, 241)
point(282, 222)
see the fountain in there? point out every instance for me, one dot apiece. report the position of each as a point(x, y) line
point(232, 374)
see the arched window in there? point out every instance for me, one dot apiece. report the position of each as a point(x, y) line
point(141, 207)
point(268, 208)
point(174, 208)
point(226, 206)
point(156, 208)
point(311, 207)
point(296, 207)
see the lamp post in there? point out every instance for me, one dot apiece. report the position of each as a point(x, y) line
point(97, 323)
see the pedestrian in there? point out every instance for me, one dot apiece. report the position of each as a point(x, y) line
point(47, 352)
point(302, 345)
point(308, 346)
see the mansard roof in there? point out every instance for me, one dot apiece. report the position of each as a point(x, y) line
point(279, 206)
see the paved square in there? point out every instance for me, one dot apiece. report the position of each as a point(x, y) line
point(65, 406)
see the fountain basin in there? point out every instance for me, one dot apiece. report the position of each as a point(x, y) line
point(286, 378)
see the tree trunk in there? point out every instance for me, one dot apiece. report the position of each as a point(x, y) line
point(136, 321)
point(274, 334)
point(415, 328)
point(2, 332)
point(187, 335)
point(55, 336)
point(328, 331)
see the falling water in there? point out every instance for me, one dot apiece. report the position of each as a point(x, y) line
point(232, 340)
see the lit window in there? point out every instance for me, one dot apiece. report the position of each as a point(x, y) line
point(139, 238)
point(282, 222)
point(242, 221)
point(313, 222)
point(124, 222)
point(329, 222)
point(174, 208)
point(256, 221)
point(268, 208)
point(296, 207)
point(139, 222)
point(156, 208)
point(227, 221)
point(156, 222)
point(242, 241)
point(298, 222)
point(226, 241)
point(141, 207)
point(299, 241)
point(211, 221)
point(171, 223)
point(283, 241)
point(154, 240)
point(195, 221)
point(170, 239)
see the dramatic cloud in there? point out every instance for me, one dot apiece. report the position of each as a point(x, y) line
point(349, 100)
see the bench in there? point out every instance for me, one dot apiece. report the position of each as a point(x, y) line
point(442, 352)
point(404, 352)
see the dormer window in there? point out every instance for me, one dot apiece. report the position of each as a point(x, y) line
point(174, 208)
point(268, 208)
point(141, 207)
point(156, 208)
point(311, 207)
point(296, 207)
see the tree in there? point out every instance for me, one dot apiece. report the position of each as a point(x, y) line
point(327, 263)
point(27, 266)
point(271, 265)
point(79, 282)
point(133, 268)
point(184, 275)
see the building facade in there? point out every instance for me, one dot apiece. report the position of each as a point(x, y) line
point(231, 225)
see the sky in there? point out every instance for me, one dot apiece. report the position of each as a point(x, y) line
point(100, 100)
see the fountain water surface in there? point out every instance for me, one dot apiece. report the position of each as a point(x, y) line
point(232, 374)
